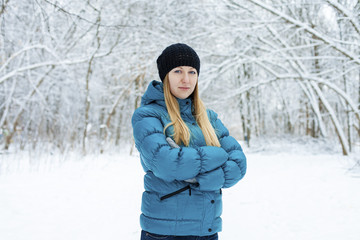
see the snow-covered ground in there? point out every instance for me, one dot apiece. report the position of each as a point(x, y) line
point(292, 190)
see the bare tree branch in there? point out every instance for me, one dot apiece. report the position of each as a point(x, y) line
point(3, 6)
point(340, 8)
point(308, 29)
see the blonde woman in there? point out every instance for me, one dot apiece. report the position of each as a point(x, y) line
point(186, 152)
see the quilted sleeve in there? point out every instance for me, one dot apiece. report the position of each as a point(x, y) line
point(235, 167)
point(211, 181)
point(171, 163)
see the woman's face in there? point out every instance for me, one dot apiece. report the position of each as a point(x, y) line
point(182, 81)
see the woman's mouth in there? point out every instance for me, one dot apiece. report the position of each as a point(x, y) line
point(184, 88)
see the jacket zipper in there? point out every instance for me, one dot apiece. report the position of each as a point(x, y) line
point(180, 191)
point(176, 192)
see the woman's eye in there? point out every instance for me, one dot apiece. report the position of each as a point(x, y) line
point(192, 72)
point(177, 71)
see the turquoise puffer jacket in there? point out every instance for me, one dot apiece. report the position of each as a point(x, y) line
point(170, 205)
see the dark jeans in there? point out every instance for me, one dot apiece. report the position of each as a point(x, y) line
point(153, 236)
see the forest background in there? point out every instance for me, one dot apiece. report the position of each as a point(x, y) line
point(73, 72)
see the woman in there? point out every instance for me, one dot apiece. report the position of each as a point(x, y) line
point(184, 174)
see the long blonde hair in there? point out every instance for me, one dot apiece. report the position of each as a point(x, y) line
point(181, 130)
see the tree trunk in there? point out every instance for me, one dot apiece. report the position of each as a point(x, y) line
point(87, 89)
point(21, 110)
point(138, 86)
point(334, 119)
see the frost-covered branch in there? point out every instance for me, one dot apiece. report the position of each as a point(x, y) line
point(51, 63)
point(13, 56)
point(308, 29)
point(349, 15)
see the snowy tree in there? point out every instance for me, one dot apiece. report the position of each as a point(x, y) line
point(72, 73)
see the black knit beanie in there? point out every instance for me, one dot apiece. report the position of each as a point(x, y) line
point(176, 55)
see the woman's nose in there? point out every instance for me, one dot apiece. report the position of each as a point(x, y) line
point(185, 77)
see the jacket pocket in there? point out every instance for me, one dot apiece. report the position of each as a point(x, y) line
point(176, 192)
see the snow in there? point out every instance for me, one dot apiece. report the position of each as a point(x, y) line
point(293, 190)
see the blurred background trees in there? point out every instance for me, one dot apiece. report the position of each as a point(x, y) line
point(73, 72)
